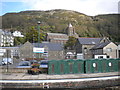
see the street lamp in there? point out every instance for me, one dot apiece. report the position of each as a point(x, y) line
point(38, 32)
point(38, 36)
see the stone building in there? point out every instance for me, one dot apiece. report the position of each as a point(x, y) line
point(105, 48)
point(84, 45)
point(70, 31)
point(52, 51)
point(62, 38)
point(26, 51)
point(57, 38)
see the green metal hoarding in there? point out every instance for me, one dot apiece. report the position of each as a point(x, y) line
point(93, 66)
point(118, 65)
point(112, 65)
point(61, 67)
point(69, 66)
point(104, 68)
point(96, 66)
point(79, 66)
point(52, 67)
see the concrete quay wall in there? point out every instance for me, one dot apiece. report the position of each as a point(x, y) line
point(82, 84)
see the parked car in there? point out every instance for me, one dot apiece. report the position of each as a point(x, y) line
point(24, 64)
point(7, 61)
point(33, 61)
point(43, 64)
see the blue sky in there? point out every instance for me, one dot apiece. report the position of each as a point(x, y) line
point(88, 7)
point(12, 7)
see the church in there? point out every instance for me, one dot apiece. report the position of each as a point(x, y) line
point(62, 38)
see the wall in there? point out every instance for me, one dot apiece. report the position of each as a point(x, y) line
point(119, 51)
point(56, 55)
point(26, 51)
point(87, 53)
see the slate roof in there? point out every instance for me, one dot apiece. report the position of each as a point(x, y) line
point(60, 34)
point(89, 41)
point(100, 45)
point(51, 46)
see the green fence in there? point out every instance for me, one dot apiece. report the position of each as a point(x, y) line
point(83, 66)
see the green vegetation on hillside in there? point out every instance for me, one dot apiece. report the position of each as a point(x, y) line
point(58, 20)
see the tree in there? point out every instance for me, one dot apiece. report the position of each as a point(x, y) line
point(19, 40)
point(32, 35)
point(70, 43)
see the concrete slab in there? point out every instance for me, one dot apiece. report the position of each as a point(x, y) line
point(34, 77)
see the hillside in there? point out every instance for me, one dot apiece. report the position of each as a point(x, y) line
point(57, 21)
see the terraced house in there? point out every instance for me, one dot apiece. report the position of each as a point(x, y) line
point(6, 38)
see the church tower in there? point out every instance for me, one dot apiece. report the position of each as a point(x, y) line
point(71, 31)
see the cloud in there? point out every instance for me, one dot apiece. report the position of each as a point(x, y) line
point(89, 7)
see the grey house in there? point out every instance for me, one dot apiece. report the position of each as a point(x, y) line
point(106, 48)
point(51, 50)
point(84, 45)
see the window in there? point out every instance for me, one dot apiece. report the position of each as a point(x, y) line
point(85, 50)
point(108, 56)
point(100, 57)
point(109, 49)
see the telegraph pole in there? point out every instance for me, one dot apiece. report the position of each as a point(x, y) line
point(7, 60)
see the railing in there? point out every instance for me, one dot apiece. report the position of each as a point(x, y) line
point(14, 70)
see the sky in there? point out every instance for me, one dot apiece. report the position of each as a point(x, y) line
point(88, 7)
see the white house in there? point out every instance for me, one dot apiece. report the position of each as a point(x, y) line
point(17, 34)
